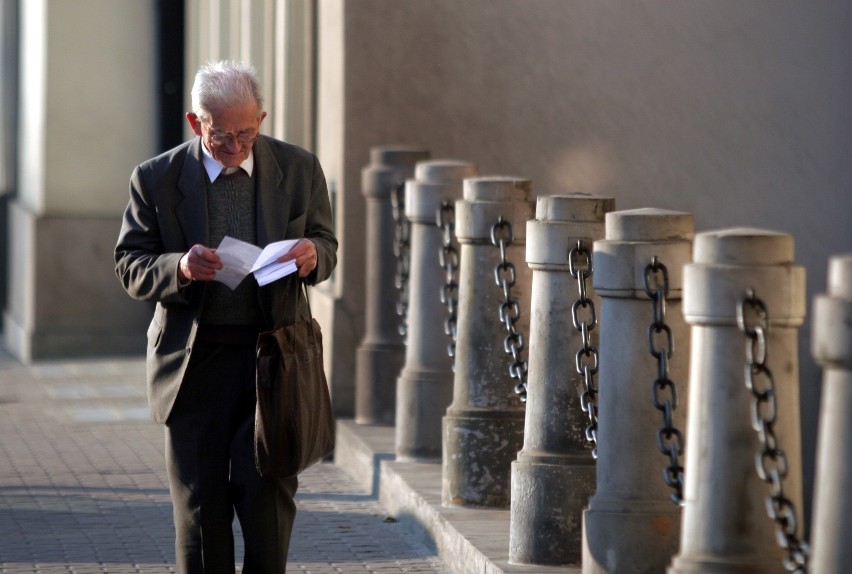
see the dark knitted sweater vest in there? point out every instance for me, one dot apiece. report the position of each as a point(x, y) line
point(231, 210)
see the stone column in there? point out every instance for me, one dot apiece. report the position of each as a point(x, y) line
point(554, 475)
point(632, 524)
point(425, 385)
point(483, 427)
point(832, 348)
point(382, 351)
point(725, 527)
point(76, 88)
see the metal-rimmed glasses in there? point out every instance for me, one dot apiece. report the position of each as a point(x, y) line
point(220, 138)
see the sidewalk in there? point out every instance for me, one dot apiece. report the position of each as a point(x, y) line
point(83, 486)
point(469, 541)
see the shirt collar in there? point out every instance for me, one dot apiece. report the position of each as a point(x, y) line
point(214, 168)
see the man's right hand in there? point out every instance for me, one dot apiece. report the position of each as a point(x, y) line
point(199, 264)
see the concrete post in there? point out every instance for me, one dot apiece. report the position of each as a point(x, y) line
point(382, 351)
point(725, 524)
point(631, 524)
point(832, 348)
point(425, 385)
point(554, 474)
point(483, 427)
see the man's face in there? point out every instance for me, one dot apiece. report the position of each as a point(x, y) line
point(230, 132)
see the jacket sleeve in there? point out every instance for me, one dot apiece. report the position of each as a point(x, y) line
point(145, 270)
point(319, 227)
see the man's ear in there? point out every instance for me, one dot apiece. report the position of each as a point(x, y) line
point(194, 123)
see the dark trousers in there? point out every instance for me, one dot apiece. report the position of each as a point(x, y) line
point(212, 474)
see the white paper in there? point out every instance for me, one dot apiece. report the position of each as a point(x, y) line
point(240, 258)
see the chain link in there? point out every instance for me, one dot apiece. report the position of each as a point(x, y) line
point(449, 259)
point(402, 251)
point(586, 359)
point(669, 438)
point(510, 309)
point(770, 461)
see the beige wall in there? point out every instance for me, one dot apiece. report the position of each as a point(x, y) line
point(735, 111)
point(86, 99)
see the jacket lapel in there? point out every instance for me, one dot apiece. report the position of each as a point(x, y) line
point(273, 201)
point(192, 187)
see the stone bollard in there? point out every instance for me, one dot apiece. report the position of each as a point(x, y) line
point(832, 348)
point(425, 385)
point(483, 427)
point(382, 351)
point(632, 523)
point(554, 474)
point(725, 527)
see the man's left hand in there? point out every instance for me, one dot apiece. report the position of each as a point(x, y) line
point(305, 254)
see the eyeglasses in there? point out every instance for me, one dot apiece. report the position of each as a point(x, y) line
point(245, 137)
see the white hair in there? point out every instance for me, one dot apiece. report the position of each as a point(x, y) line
point(224, 83)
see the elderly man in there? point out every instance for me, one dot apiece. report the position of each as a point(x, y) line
point(228, 181)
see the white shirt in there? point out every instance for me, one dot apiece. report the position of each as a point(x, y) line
point(215, 168)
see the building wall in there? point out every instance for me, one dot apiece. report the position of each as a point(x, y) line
point(86, 96)
point(737, 112)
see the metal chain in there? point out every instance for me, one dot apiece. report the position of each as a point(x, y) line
point(669, 438)
point(770, 461)
point(586, 359)
point(449, 259)
point(402, 251)
point(510, 309)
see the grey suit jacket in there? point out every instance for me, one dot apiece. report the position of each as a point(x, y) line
point(167, 214)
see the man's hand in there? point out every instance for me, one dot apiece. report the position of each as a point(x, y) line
point(199, 264)
point(305, 254)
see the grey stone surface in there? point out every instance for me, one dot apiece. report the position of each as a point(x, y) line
point(467, 540)
point(83, 486)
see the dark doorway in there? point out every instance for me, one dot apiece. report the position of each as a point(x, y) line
point(171, 19)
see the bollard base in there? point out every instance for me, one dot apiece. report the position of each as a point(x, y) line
point(547, 508)
point(422, 397)
point(630, 540)
point(478, 452)
point(721, 565)
point(377, 367)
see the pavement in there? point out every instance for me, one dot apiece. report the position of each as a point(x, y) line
point(83, 489)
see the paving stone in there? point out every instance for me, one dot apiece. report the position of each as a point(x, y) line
point(83, 487)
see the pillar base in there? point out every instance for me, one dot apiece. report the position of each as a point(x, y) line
point(64, 300)
point(719, 565)
point(421, 399)
point(479, 449)
point(547, 508)
point(377, 368)
point(631, 540)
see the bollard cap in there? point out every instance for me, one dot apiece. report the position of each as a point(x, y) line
point(445, 171)
point(634, 237)
point(831, 341)
point(840, 276)
point(497, 188)
point(649, 224)
point(730, 262)
point(744, 246)
point(580, 207)
point(397, 155)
